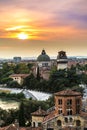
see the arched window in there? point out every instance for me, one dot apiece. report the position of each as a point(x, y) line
point(66, 119)
point(71, 119)
point(78, 122)
point(59, 123)
point(70, 112)
point(33, 124)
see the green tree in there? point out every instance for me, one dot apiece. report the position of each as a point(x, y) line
point(21, 68)
point(38, 74)
point(21, 114)
point(30, 82)
point(13, 84)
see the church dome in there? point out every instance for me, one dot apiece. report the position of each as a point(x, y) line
point(43, 56)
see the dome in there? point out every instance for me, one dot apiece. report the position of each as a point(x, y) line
point(43, 56)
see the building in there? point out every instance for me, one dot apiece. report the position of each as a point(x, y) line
point(17, 59)
point(43, 60)
point(44, 65)
point(62, 60)
point(19, 77)
point(67, 113)
point(37, 117)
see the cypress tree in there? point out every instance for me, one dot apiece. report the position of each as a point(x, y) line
point(38, 74)
point(21, 114)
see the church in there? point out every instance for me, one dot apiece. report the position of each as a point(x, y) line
point(45, 64)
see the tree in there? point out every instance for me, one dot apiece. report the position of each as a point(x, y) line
point(30, 82)
point(38, 74)
point(21, 114)
point(13, 84)
point(21, 68)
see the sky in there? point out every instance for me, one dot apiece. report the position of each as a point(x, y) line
point(28, 26)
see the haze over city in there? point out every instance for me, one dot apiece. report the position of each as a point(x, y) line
point(28, 26)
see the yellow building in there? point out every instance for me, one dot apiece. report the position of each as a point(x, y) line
point(37, 117)
point(18, 77)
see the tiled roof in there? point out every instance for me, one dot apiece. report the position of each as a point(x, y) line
point(67, 93)
point(69, 128)
point(50, 116)
point(13, 127)
point(84, 115)
point(10, 127)
point(19, 75)
point(39, 112)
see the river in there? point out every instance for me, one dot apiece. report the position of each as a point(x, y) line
point(8, 104)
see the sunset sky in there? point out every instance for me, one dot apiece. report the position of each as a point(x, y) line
point(28, 26)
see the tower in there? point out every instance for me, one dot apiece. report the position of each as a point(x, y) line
point(62, 60)
point(68, 103)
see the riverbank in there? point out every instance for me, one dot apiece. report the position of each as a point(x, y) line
point(8, 104)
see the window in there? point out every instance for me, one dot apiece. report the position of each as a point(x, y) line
point(71, 119)
point(46, 64)
point(69, 102)
point(59, 123)
point(66, 119)
point(77, 110)
point(39, 124)
point(69, 112)
point(33, 124)
point(59, 111)
point(60, 101)
point(78, 122)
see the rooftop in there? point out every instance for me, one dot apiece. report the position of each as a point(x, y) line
point(43, 56)
point(39, 112)
point(19, 75)
point(68, 93)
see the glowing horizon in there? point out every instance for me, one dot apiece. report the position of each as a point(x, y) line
point(59, 25)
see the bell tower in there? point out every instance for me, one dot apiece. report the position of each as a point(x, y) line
point(62, 60)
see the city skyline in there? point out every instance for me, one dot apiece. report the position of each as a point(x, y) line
point(26, 27)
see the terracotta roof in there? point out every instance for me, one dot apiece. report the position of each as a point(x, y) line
point(39, 112)
point(13, 127)
point(69, 128)
point(19, 75)
point(50, 116)
point(83, 114)
point(68, 93)
point(34, 128)
point(10, 127)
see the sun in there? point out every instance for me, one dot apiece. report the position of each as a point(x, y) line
point(22, 36)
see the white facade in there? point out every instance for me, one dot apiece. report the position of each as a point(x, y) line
point(62, 60)
point(18, 79)
point(44, 64)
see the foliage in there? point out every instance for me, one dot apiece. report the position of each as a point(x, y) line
point(30, 82)
point(8, 117)
point(21, 114)
point(7, 70)
point(27, 106)
point(59, 79)
point(13, 84)
point(12, 95)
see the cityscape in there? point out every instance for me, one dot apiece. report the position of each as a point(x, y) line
point(43, 65)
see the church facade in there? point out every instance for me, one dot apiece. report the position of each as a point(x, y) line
point(44, 63)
